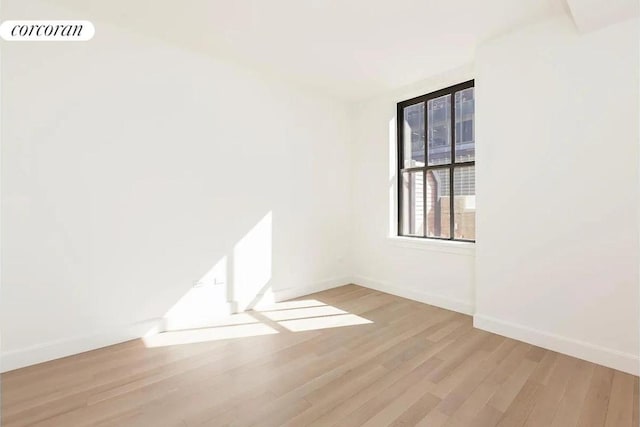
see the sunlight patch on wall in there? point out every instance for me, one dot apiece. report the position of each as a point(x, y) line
point(205, 302)
point(252, 264)
point(236, 282)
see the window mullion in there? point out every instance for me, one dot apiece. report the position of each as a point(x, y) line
point(424, 172)
point(424, 203)
point(451, 213)
point(452, 134)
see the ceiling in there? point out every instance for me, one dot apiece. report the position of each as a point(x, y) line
point(348, 48)
point(591, 15)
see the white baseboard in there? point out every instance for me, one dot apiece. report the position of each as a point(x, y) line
point(604, 356)
point(582, 350)
point(286, 294)
point(57, 349)
point(416, 295)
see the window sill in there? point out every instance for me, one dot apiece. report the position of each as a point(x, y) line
point(444, 246)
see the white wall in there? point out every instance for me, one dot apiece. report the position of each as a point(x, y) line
point(131, 167)
point(557, 194)
point(432, 272)
point(557, 182)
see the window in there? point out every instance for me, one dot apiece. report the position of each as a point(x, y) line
point(436, 165)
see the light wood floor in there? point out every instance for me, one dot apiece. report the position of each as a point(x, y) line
point(414, 364)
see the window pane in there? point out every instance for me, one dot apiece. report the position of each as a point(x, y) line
point(413, 203)
point(413, 135)
point(439, 131)
point(465, 133)
point(438, 224)
point(464, 190)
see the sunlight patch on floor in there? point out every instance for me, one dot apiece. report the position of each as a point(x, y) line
point(286, 305)
point(192, 336)
point(298, 313)
point(273, 318)
point(324, 322)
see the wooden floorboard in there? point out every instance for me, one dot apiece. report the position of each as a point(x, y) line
point(349, 356)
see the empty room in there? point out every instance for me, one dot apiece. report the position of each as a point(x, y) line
point(319, 213)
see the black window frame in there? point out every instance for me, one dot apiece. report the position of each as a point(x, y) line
point(451, 166)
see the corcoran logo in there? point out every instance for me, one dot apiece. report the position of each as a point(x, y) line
point(47, 30)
